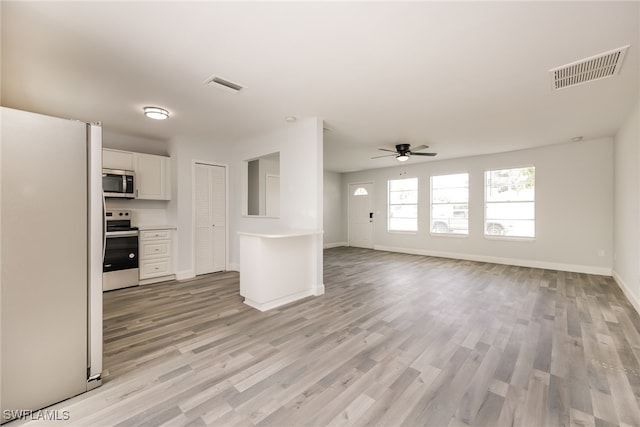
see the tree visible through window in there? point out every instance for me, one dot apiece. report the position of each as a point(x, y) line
point(450, 204)
point(403, 204)
point(510, 202)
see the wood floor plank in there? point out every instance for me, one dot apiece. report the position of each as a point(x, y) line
point(558, 413)
point(396, 340)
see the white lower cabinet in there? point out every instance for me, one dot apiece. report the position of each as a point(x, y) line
point(156, 255)
point(152, 269)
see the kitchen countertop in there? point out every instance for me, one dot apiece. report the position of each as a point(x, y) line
point(157, 227)
point(279, 234)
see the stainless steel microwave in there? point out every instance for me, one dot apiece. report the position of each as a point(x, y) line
point(118, 183)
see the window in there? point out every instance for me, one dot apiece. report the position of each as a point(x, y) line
point(450, 204)
point(403, 204)
point(510, 202)
point(360, 191)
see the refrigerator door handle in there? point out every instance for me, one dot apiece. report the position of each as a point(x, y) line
point(104, 225)
point(97, 239)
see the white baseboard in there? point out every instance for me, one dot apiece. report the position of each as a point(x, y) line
point(602, 271)
point(633, 299)
point(157, 279)
point(335, 245)
point(278, 301)
point(190, 274)
point(318, 290)
point(185, 275)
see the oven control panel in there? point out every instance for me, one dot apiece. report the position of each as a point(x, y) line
point(118, 214)
point(118, 220)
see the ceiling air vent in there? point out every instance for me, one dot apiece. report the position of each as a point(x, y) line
point(227, 85)
point(596, 67)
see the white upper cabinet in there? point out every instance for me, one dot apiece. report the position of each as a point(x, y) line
point(153, 177)
point(116, 159)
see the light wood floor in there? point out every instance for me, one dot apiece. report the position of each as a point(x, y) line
point(396, 340)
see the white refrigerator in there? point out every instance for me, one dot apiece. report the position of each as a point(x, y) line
point(50, 260)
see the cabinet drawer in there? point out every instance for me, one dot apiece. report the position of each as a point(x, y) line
point(155, 249)
point(155, 234)
point(157, 268)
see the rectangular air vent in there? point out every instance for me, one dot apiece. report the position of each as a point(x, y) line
point(596, 67)
point(224, 84)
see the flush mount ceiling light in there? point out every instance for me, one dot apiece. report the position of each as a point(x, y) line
point(156, 113)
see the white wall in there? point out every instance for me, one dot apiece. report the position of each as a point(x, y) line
point(626, 265)
point(334, 214)
point(145, 212)
point(574, 208)
point(300, 147)
point(300, 177)
point(301, 185)
point(120, 141)
point(180, 209)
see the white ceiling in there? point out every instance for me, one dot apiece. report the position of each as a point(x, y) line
point(464, 78)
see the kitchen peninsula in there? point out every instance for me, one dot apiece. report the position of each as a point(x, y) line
point(277, 268)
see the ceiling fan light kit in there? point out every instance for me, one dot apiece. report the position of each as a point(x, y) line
point(403, 152)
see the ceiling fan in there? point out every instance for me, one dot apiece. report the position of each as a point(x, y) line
point(403, 151)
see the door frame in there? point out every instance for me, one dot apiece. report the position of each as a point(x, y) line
point(266, 194)
point(194, 162)
point(373, 203)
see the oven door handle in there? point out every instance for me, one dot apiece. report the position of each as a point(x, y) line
point(110, 234)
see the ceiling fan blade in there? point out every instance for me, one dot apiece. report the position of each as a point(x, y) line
point(386, 155)
point(386, 149)
point(419, 147)
point(424, 154)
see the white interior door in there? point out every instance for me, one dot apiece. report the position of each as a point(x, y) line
point(210, 198)
point(273, 195)
point(361, 215)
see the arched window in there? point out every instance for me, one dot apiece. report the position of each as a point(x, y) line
point(360, 191)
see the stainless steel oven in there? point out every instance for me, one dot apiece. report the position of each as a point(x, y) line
point(120, 266)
